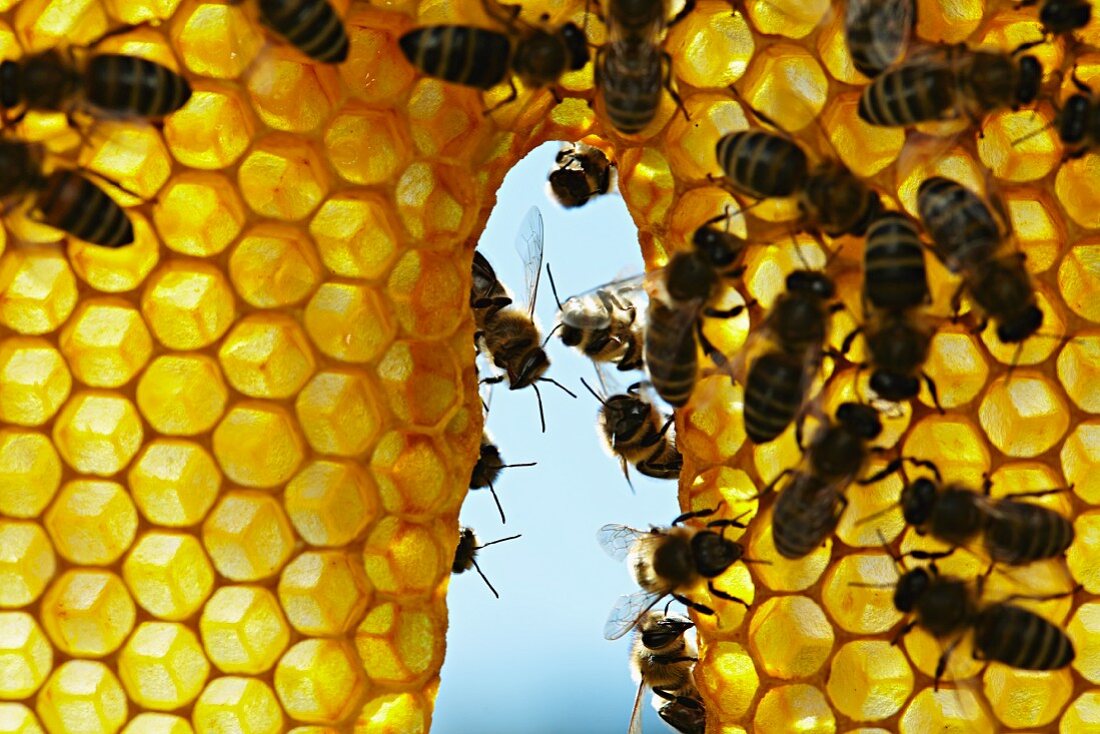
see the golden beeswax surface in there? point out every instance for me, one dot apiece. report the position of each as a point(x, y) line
point(232, 453)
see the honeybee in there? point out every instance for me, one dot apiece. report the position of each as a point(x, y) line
point(63, 199)
point(764, 164)
point(947, 607)
point(604, 323)
point(877, 32)
point(488, 467)
point(311, 26)
point(483, 58)
point(680, 294)
point(687, 714)
point(631, 68)
point(661, 658)
point(669, 562)
point(895, 283)
point(466, 554)
point(112, 83)
point(1013, 532)
point(778, 380)
point(509, 335)
point(812, 501)
point(581, 173)
point(968, 240)
point(950, 82)
point(638, 434)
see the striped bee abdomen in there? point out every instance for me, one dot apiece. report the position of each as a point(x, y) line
point(894, 275)
point(762, 164)
point(1022, 639)
point(1019, 533)
point(909, 94)
point(312, 26)
point(670, 354)
point(805, 515)
point(133, 85)
point(774, 391)
point(474, 57)
point(75, 205)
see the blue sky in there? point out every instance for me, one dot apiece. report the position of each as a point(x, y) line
point(535, 661)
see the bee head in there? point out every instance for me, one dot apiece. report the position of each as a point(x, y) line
point(713, 553)
point(689, 276)
point(464, 553)
point(576, 45)
point(1031, 76)
point(1021, 326)
point(860, 419)
point(917, 500)
point(625, 415)
point(660, 630)
point(811, 283)
point(534, 365)
point(1063, 16)
point(1074, 117)
point(10, 84)
point(717, 247)
point(894, 387)
point(570, 335)
point(910, 587)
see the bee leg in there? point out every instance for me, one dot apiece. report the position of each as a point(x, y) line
point(513, 95)
point(123, 30)
point(492, 380)
point(849, 340)
point(941, 664)
point(700, 608)
point(903, 632)
point(773, 483)
point(626, 473)
point(666, 61)
point(1041, 597)
point(723, 595)
point(727, 313)
point(689, 5)
point(500, 12)
point(698, 513)
point(931, 385)
point(713, 353)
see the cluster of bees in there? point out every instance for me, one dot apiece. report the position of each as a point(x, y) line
point(118, 86)
point(655, 322)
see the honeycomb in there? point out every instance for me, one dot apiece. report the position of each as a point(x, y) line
point(232, 454)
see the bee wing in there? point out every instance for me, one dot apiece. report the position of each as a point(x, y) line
point(618, 540)
point(628, 610)
point(636, 713)
point(890, 23)
point(621, 293)
point(529, 246)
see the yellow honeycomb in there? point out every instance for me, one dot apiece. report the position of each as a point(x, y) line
point(232, 454)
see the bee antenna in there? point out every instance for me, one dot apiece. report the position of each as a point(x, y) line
point(551, 333)
point(760, 561)
point(875, 515)
point(567, 391)
point(485, 578)
point(669, 605)
point(550, 274)
point(538, 397)
point(594, 393)
point(514, 466)
point(500, 509)
point(499, 540)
